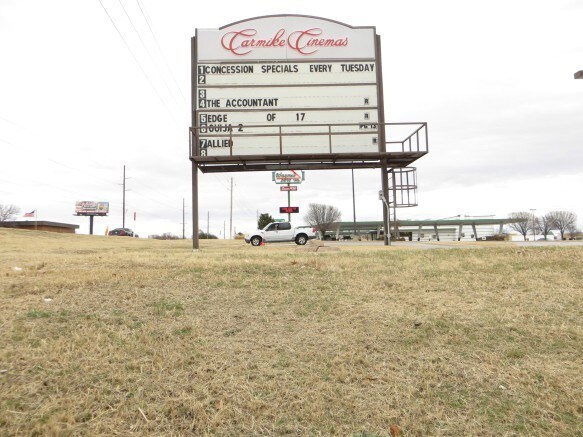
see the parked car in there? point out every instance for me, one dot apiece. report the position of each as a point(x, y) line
point(281, 232)
point(123, 232)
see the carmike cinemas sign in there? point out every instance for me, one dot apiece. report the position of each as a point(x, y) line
point(304, 42)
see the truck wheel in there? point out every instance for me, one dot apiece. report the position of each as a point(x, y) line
point(255, 241)
point(301, 239)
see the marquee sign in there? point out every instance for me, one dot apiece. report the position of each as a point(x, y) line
point(288, 85)
point(283, 92)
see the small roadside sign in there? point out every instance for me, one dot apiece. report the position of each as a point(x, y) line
point(288, 188)
point(289, 209)
point(288, 177)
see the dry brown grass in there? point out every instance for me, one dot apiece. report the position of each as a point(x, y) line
point(145, 337)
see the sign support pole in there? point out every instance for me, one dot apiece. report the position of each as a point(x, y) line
point(288, 202)
point(90, 225)
point(383, 143)
point(195, 242)
point(386, 211)
point(353, 205)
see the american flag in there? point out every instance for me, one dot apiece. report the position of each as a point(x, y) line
point(30, 214)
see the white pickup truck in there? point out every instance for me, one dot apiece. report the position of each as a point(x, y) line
point(280, 232)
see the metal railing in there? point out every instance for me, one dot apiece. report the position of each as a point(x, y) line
point(416, 141)
point(403, 187)
point(400, 137)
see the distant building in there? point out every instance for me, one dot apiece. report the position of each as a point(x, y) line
point(517, 236)
point(41, 225)
point(462, 229)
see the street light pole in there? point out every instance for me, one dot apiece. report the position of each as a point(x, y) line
point(533, 224)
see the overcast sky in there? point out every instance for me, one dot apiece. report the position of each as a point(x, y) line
point(79, 99)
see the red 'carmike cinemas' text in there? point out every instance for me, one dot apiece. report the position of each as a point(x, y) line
point(305, 42)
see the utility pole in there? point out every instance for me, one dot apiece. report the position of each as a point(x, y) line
point(231, 213)
point(123, 223)
point(183, 222)
point(224, 230)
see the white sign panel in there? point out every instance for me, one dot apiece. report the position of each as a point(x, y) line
point(290, 120)
point(297, 73)
point(288, 145)
point(285, 38)
point(286, 85)
point(270, 98)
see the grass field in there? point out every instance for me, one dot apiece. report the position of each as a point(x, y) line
point(122, 336)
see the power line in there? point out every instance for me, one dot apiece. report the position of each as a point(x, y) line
point(41, 183)
point(84, 171)
point(161, 52)
point(149, 54)
point(15, 124)
point(156, 201)
point(152, 189)
point(22, 145)
point(139, 65)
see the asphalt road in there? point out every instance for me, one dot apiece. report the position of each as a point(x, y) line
point(456, 244)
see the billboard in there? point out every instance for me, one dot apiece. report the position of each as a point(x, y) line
point(285, 86)
point(87, 207)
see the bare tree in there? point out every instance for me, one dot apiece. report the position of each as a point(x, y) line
point(323, 217)
point(544, 225)
point(8, 212)
point(563, 221)
point(522, 223)
point(573, 231)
